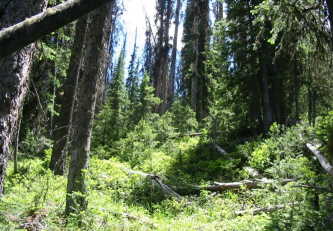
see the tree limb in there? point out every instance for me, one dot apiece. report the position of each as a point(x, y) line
point(157, 181)
point(220, 149)
point(142, 220)
point(263, 210)
point(23, 33)
point(250, 184)
point(322, 160)
point(216, 187)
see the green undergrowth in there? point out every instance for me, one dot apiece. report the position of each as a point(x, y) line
point(122, 201)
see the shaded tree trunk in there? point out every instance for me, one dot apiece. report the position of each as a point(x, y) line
point(174, 55)
point(14, 76)
point(266, 100)
point(296, 85)
point(161, 62)
point(63, 127)
point(196, 36)
point(93, 70)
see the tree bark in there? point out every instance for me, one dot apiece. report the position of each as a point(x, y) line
point(14, 75)
point(330, 13)
point(161, 62)
point(174, 55)
point(266, 99)
point(197, 20)
point(322, 160)
point(25, 32)
point(63, 127)
point(96, 44)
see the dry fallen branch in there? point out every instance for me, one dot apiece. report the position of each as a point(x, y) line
point(157, 181)
point(142, 220)
point(322, 160)
point(216, 187)
point(220, 149)
point(263, 210)
point(320, 189)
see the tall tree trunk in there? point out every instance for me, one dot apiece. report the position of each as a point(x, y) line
point(96, 46)
point(161, 62)
point(63, 127)
point(196, 30)
point(174, 54)
point(266, 99)
point(296, 85)
point(14, 75)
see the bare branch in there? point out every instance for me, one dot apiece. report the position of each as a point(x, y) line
point(23, 33)
point(322, 160)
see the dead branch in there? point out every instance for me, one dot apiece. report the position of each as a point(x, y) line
point(23, 33)
point(249, 184)
point(216, 187)
point(264, 210)
point(157, 181)
point(220, 149)
point(142, 220)
point(322, 160)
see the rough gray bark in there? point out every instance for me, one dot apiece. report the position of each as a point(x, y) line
point(63, 127)
point(161, 62)
point(14, 75)
point(174, 54)
point(93, 69)
point(25, 32)
point(197, 20)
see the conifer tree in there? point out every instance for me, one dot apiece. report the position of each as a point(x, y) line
point(160, 69)
point(195, 38)
point(132, 81)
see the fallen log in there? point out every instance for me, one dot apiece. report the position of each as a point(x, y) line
point(23, 33)
point(142, 220)
point(157, 181)
point(220, 149)
point(313, 187)
point(249, 184)
point(321, 158)
point(216, 187)
point(263, 210)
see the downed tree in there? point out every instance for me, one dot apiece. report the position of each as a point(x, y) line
point(249, 184)
point(23, 33)
point(263, 210)
point(216, 187)
point(321, 158)
point(157, 181)
point(142, 220)
point(220, 149)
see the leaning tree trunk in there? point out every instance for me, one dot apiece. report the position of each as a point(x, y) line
point(31, 29)
point(96, 44)
point(64, 121)
point(14, 75)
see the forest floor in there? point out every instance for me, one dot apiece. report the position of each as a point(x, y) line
point(122, 197)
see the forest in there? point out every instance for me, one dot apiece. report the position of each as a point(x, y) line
point(204, 115)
